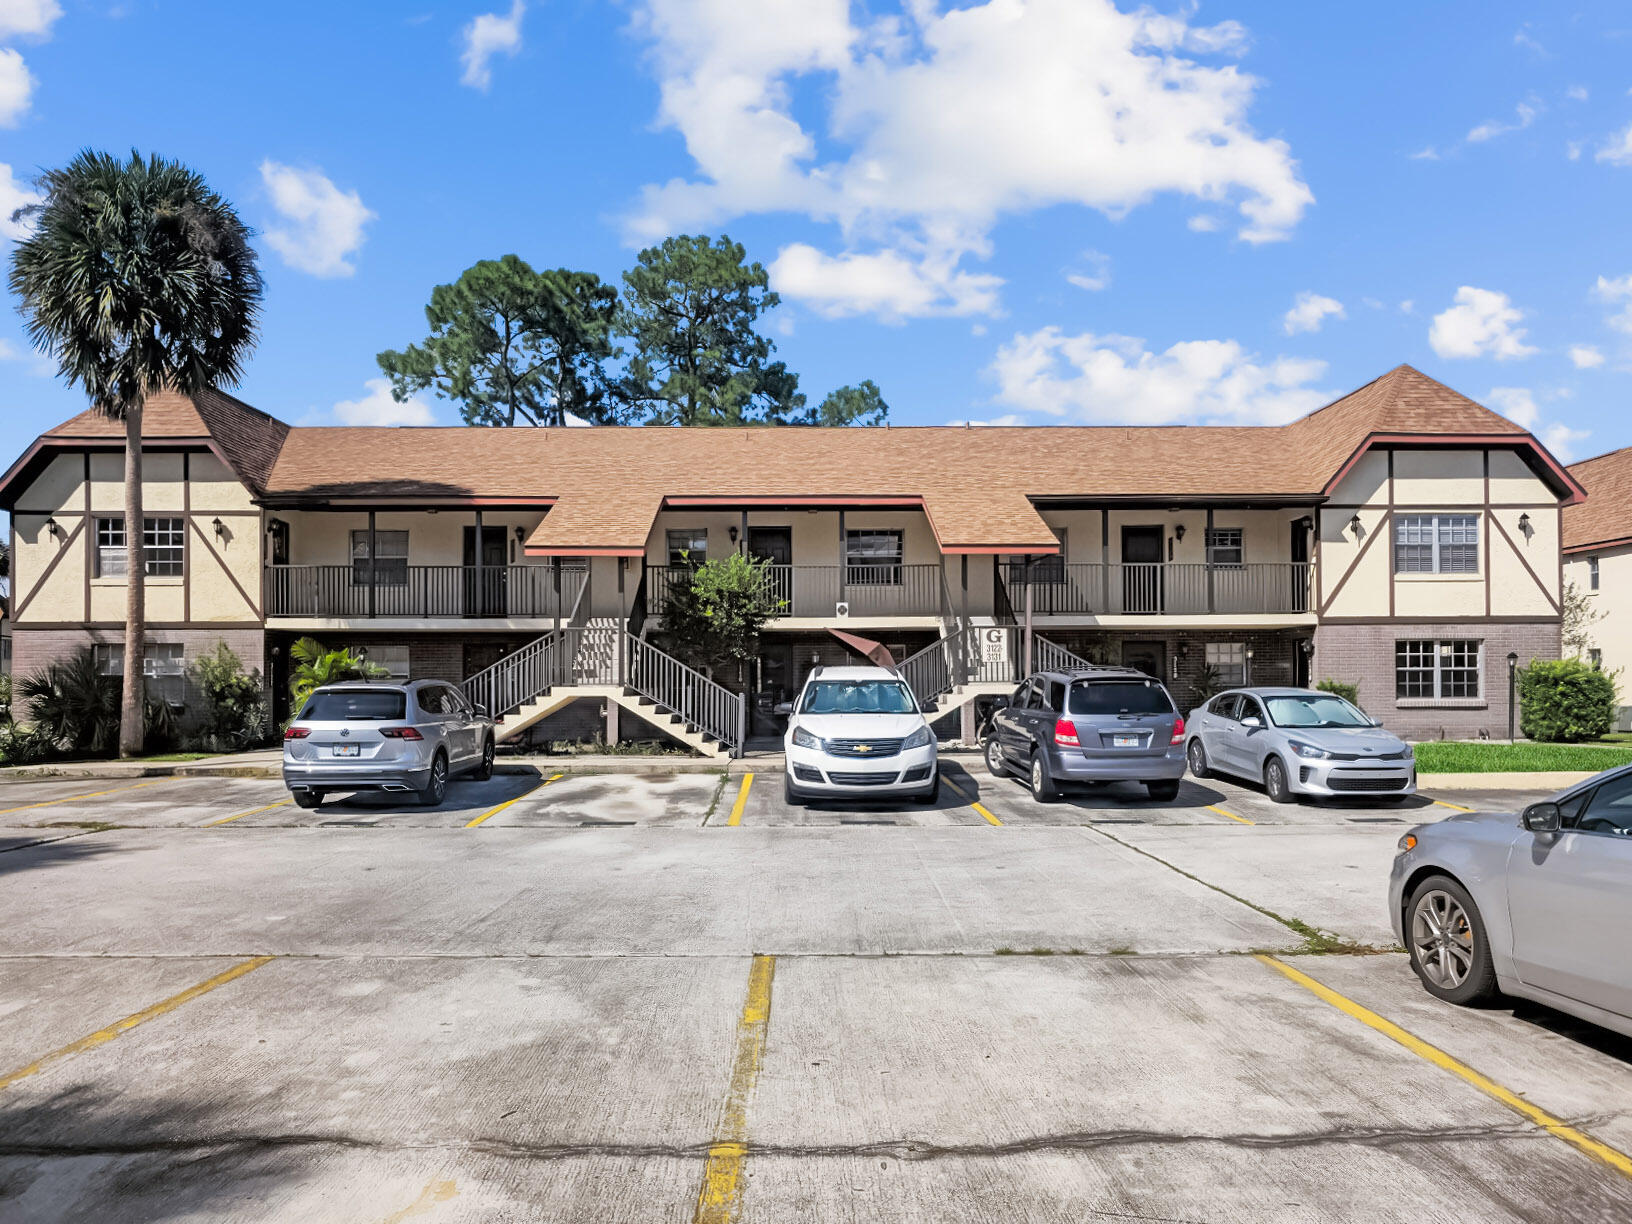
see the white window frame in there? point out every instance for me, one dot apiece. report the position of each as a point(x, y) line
point(390, 565)
point(1592, 573)
point(109, 657)
point(1211, 538)
point(112, 559)
point(164, 544)
point(164, 672)
point(397, 660)
point(1436, 533)
point(682, 546)
point(1441, 653)
point(1229, 660)
point(870, 568)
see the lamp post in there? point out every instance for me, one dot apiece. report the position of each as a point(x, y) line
point(1246, 670)
point(1512, 673)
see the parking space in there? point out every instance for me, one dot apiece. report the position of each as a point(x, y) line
point(764, 805)
point(613, 801)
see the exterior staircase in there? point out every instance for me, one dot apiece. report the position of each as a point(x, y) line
point(972, 661)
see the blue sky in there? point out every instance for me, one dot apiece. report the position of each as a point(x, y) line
point(1031, 210)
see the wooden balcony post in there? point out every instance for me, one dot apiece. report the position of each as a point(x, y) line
point(1029, 585)
point(372, 584)
point(481, 590)
point(1206, 545)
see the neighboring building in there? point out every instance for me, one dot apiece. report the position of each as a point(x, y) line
point(1598, 560)
point(1404, 538)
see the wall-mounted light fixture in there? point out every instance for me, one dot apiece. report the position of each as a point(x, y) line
point(1178, 531)
point(51, 528)
point(1356, 527)
point(219, 527)
point(731, 534)
point(521, 534)
point(1524, 525)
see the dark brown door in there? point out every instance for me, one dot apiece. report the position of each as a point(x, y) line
point(1300, 566)
point(775, 546)
point(1142, 569)
point(485, 598)
point(1148, 657)
point(776, 685)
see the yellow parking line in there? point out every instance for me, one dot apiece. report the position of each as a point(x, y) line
point(742, 800)
point(103, 1036)
point(210, 824)
point(508, 802)
point(91, 795)
point(721, 1191)
point(1455, 807)
point(980, 809)
point(1557, 1127)
point(1238, 819)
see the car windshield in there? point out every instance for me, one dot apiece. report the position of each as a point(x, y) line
point(858, 697)
point(1314, 710)
point(342, 705)
point(1119, 697)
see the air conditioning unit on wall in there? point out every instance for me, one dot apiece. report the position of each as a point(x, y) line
point(842, 609)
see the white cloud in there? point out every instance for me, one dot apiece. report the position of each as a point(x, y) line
point(1309, 311)
point(16, 88)
point(1616, 291)
point(1202, 223)
point(14, 195)
point(1572, 150)
point(1586, 357)
point(378, 408)
point(1008, 418)
point(885, 283)
point(9, 351)
point(1517, 404)
point(1561, 440)
point(487, 36)
point(1107, 379)
point(1492, 128)
point(1408, 306)
point(1482, 323)
point(1096, 275)
point(1617, 150)
point(28, 18)
point(1427, 153)
point(934, 125)
point(1576, 93)
point(327, 223)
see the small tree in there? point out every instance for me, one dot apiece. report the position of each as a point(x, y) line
point(1578, 613)
point(234, 714)
point(1565, 701)
point(316, 665)
point(862, 404)
point(714, 621)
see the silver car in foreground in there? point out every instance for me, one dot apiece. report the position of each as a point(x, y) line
point(1537, 905)
point(387, 737)
point(1298, 742)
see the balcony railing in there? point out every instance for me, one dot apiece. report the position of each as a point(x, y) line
point(818, 590)
point(1158, 588)
point(422, 590)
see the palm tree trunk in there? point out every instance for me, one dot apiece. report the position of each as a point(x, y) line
point(130, 706)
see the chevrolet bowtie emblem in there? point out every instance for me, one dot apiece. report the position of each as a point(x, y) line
point(864, 747)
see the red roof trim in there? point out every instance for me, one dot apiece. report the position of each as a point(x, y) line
point(545, 551)
point(1514, 440)
point(1598, 545)
point(762, 499)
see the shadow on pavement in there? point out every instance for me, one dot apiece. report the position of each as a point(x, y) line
point(28, 853)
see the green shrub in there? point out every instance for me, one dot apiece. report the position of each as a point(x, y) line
point(1349, 692)
point(1209, 684)
point(233, 715)
point(1565, 701)
point(21, 745)
point(317, 665)
point(73, 705)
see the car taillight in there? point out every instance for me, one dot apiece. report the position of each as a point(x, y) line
point(401, 733)
point(1065, 732)
point(297, 732)
point(1178, 731)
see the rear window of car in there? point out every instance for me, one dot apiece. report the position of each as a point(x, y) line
point(1120, 697)
point(343, 704)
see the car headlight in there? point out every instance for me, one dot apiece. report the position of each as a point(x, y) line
point(804, 739)
point(1307, 751)
point(920, 738)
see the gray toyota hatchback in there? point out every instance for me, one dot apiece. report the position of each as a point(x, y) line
point(367, 735)
point(1102, 724)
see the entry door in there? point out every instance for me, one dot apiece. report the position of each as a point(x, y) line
point(775, 545)
point(1142, 569)
point(776, 685)
point(1300, 569)
point(487, 598)
point(1148, 657)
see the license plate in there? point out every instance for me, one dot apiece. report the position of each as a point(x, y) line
point(348, 749)
point(1124, 741)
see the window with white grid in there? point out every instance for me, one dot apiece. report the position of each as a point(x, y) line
point(163, 552)
point(1432, 669)
point(1229, 660)
point(1436, 544)
point(1226, 546)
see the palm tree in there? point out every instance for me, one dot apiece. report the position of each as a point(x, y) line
point(136, 277)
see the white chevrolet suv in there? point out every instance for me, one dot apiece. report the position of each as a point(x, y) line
point(858, 731)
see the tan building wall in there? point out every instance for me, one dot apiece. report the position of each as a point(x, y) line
point(1611, 603)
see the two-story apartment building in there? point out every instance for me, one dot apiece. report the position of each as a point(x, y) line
point(1598, 561)
point(1403, 538)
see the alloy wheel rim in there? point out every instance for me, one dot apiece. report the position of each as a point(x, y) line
point(1195, 757)
point(1277, 780)
point(1442, 939)
point(992, 755)
point(439, 777)
point(1036, 775)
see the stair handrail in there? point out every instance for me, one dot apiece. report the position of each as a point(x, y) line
point(932, 672)
point(528, 673)
point(1051, 656)
point(704, 705)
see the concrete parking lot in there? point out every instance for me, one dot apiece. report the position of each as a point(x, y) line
point(673, 997)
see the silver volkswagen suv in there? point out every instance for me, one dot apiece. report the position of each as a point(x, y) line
point(364, 735)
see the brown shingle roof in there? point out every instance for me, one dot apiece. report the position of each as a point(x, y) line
point(1606, 515)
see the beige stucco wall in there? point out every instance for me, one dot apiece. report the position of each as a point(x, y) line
point(73, 594)
point(1611, 632)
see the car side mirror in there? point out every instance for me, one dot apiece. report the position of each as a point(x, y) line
point(1252, 720)
point(782, 707)
point(480, 710)
point(1543, 818)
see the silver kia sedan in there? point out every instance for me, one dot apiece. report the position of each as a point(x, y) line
point(1536, 905)
point(1298, 742)
point(407, 738)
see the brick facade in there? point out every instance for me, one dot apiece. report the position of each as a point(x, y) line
point(1363, 654)
point(1275, 653)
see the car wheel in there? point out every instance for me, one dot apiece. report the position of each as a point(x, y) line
point(1198, 758)
point(1275, 781)
point(307, 798)
point(995, 764)
point(789, 795)
point(1446, 938)
point(1042, 786)
point(1166, 792)
point(484, 771)
point(436, 786)
point(933, 794)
